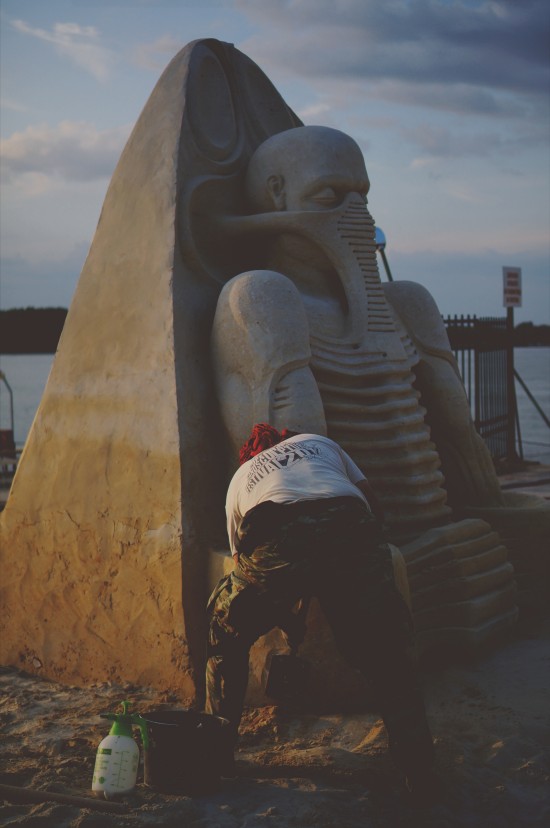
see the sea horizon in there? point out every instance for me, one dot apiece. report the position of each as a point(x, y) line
point(27, 375)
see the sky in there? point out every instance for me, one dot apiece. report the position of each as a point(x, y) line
point(448, 99)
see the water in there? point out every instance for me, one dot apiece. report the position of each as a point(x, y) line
point(27, 375)
point(533, 366)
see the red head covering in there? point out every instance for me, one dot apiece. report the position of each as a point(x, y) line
point(263, 436)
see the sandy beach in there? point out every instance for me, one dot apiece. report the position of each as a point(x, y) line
point(490, 718)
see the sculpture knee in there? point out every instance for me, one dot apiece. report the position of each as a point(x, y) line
point(261, 355)
point(419, 313)
point(261, 312)
point(437, 374)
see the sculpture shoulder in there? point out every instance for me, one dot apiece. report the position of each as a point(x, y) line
point(419, 313)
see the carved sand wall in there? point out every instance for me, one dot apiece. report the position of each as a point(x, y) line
point(119, 492)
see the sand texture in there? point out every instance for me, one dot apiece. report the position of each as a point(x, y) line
point(491, 721)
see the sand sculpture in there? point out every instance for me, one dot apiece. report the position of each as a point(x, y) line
point(115, 517)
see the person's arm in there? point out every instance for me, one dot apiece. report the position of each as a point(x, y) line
point(355, 475)
point(375, 505)
point(232, 533)
point(231, 511)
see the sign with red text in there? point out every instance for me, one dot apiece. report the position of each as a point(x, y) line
point(511, 286)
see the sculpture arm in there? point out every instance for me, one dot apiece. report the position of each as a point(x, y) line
point(261, 355)
point(466, 463)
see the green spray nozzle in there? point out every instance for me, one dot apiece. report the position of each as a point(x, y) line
point(123, 723)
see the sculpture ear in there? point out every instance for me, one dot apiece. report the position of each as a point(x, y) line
point(276, 189)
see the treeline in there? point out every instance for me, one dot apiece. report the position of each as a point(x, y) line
point(492, 334)
point(528, 334)
point(31, 330)
point(37, 331)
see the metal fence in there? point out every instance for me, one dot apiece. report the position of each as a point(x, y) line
point(483, 348)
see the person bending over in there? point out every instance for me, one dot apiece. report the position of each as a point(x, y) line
point(303, 521)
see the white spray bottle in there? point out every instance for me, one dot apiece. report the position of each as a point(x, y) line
point(117, 758)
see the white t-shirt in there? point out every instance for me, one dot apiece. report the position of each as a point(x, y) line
point(305, 467)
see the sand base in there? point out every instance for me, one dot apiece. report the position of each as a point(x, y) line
point(490, 720)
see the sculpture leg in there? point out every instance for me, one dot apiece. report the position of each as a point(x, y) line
point(462, 587)
point(469, 473)
point(465, 460)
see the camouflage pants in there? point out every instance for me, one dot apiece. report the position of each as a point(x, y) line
point(332, 549)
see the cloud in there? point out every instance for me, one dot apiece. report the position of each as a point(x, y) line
point(470, 56)
point(14, 106)
point(153, 55)
point(79, 43)
point(450, 97)
point(442, 142)
point(312, 111)
point(72, 150)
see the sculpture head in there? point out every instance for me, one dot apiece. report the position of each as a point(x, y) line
point(306, 168)
point(307, 188)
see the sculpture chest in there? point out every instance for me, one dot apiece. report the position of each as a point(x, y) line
point(372, 410)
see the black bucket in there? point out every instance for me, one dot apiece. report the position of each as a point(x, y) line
point(186, 751)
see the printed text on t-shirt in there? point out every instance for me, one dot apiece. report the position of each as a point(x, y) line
point(279, 457)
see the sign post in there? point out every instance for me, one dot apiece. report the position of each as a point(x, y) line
point(511, 287)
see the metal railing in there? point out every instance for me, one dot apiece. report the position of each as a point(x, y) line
point(484, 350)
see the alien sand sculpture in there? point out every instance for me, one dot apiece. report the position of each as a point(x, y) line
point(233, 279)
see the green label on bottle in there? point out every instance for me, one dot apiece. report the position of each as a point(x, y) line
point(107, 751)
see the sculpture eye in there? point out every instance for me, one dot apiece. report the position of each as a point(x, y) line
point(327, 197)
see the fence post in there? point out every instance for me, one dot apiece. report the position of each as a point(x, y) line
point(477, 384)
point(510, 387)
